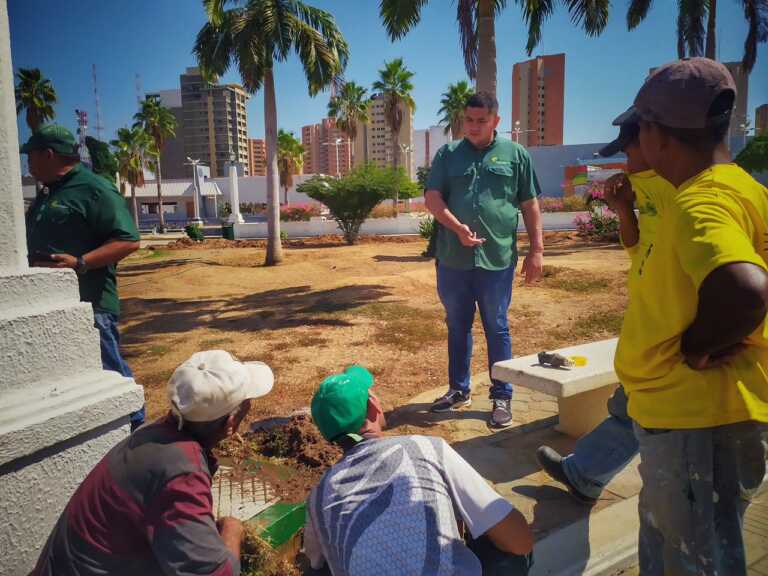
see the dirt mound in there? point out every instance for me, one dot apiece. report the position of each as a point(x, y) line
point(327, 241)
point(300, 441)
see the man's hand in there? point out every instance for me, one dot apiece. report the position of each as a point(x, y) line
point(618, 193)
point(57, 261)
point(533, 266)
point(467, 237)
point(231, 531)
point(706, 361)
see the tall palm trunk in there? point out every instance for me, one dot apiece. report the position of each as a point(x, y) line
point(134, 206)
point(457, 130)
point(160, 195)
point(711, 46)
point(274, 247)
point(486, 56)
point(395, 127)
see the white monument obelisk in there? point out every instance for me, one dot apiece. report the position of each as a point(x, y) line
point(234, 196)
point(59, 411)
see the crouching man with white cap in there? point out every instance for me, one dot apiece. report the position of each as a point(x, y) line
point(146, 508)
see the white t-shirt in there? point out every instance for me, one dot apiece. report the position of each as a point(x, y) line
point(390, 507)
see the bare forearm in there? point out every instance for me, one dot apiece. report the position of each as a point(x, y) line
point(533, 226)
point(109, 253)
point(733, 302)
point(437, 206)
point(628, 226)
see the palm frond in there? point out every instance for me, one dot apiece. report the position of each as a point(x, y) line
point(637, 11)
point(590, 15)
point(535, 13)
point(400, 16)
point(466, 16)
point(756, 14)
point(690, 25)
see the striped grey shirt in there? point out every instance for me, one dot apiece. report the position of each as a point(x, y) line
point(390, 507)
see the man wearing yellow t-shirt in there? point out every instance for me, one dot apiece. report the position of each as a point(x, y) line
point(693, 352)
point(606, 450)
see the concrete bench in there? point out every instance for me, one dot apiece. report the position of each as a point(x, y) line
point(581, 392)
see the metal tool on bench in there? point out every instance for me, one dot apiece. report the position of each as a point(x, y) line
point(556, 360)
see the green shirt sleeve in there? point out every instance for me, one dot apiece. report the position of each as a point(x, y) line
point(438, 175)
point(527, 182)
point(109, 217)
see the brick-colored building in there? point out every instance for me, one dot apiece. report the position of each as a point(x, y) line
point(327, 150)
point(257, 157)
point(761, 120)
point(538, 101)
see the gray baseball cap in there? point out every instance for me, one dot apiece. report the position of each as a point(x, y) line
point(680, 94)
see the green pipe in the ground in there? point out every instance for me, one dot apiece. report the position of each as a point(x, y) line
point(279, 523)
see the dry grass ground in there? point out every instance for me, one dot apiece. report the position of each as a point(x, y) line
point(326, 307)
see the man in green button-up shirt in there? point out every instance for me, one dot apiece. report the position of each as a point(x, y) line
point(82, 223)
point(476, 188)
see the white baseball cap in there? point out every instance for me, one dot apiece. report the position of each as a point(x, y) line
point(213, 383)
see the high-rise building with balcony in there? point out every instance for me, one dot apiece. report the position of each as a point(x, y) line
point(257, 157)
point(538, 101)
point(761, 120)
point(215, 122)
point(374, 139)
point(327, 150)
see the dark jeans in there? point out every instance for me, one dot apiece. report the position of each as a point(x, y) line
point(111, 359)
point(491, 292)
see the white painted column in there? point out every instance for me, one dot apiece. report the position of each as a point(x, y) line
point(234, 196)
point(12, 232)
point(59, 410)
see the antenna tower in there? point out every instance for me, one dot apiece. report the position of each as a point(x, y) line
point(99, 126)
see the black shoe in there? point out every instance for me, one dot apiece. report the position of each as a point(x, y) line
point(501, 416)
point(552, 463)
point(453, 400)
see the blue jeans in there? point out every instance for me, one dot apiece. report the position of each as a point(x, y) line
point(605, 451)
point(491, 292)
point(106, 323)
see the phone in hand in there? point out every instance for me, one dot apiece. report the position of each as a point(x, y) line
point(40, 256)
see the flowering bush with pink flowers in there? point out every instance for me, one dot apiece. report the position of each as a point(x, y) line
point(572, 203)
point(601, 224)
point(298, 212)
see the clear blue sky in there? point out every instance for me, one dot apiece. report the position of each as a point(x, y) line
point(154, 38)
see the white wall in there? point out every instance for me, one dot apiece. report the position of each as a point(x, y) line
point(254, 189)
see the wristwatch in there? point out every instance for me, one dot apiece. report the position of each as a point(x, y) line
point(81, 267)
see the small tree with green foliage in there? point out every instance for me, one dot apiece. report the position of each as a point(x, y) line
point(104, 163)
point(754, 157)
point(351, 198)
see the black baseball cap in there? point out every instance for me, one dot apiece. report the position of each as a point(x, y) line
point(629, 127)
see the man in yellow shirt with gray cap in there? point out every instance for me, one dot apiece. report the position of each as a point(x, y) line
point(693, 354)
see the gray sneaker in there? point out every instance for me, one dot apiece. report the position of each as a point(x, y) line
point(501, 416)
point(453, 400)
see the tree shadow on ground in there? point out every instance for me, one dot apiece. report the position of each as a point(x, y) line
point(132, 270)
point(386, 258)
point(292, 307)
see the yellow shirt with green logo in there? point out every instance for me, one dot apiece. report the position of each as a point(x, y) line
point(716, 218)
point(652, 194)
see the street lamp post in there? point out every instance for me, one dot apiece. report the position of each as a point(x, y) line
point(337, 142)
point(407, 149)
point(517, 131)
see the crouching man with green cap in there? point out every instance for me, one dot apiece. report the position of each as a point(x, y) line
point(397, 505)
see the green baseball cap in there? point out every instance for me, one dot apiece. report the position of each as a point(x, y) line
point(52, 136)
point(341, 403)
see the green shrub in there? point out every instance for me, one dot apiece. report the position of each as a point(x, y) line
point(195, 232)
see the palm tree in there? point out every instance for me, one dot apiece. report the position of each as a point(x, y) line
point(133, 146)
point(290, 159)
point(160, 123)
point(36, 95)
point(394, 86)
point(453, 103)
point(477, 27)
point(254, 37)
point(693, 40)
point(350, 109)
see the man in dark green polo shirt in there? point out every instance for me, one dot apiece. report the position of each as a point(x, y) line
point(82, 223)
point(475, 189)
